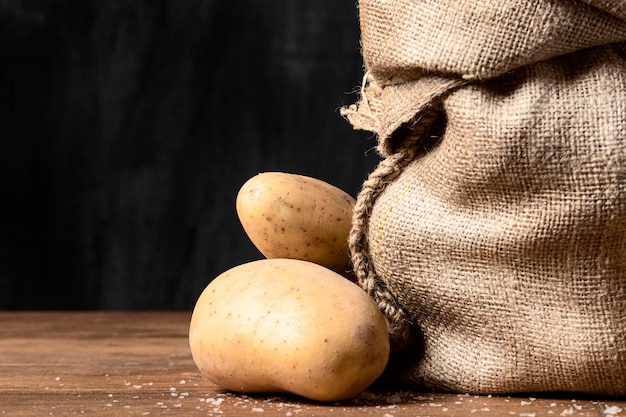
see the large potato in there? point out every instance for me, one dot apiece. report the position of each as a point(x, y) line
point(286, 325)
point(293, 216)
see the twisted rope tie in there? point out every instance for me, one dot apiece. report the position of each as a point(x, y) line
point(400, 323)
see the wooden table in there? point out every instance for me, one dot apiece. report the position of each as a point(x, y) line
point(139, 364)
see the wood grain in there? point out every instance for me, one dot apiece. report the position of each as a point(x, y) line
point(139, 364)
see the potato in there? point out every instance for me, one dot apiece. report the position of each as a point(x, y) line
point(293, 216)
point(290, 326)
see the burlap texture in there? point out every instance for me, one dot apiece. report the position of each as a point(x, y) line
point(493, 232)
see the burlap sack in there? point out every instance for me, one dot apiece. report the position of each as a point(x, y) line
point(493, 232)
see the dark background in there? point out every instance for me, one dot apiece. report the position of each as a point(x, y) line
point(127, 128)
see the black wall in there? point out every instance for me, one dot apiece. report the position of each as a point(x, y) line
point(127, 128)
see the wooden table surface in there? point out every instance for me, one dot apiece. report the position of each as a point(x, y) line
point(139, 364)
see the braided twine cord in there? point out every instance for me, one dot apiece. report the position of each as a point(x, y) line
point(400, 322)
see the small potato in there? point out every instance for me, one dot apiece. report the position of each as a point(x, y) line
point(286, 325)
point(293, 216)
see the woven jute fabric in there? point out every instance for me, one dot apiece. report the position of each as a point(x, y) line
point(493, 232)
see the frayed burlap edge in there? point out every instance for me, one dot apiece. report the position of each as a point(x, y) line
point(395, 111)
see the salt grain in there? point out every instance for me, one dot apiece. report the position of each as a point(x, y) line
point(430, 398)
point(366, 395)
point(257, 410)
point(214, 401)
point(611, 411)
point(394, 399)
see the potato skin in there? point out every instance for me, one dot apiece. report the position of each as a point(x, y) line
point(293, 216)
point(286, 325)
